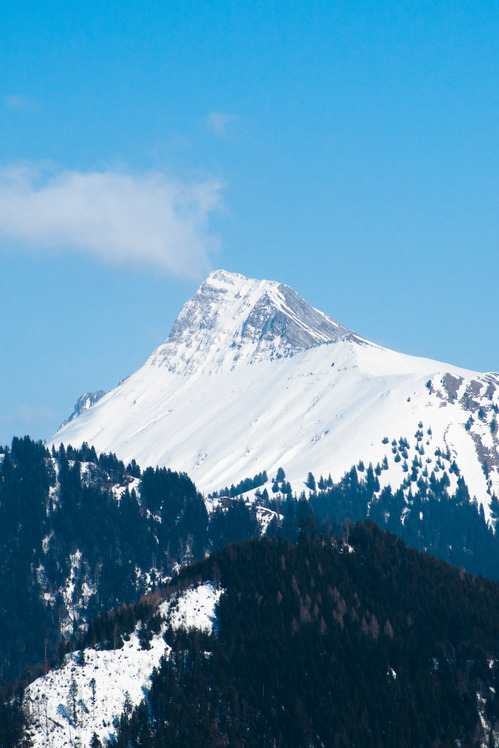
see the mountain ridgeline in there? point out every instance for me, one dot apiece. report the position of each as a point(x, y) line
point(253, 378)
point(271, 455)
point(324, 642)
point(330, 644)
point(81, 533)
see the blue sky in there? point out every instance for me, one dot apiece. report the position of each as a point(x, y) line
point(348, 149)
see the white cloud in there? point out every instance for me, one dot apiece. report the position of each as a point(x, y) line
point(219, 122)
point(141, 219)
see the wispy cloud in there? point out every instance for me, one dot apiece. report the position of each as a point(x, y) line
point(141, 219)
point(18, 101)
point(220, 122)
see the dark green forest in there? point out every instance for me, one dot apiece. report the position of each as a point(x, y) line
point(72, 548)
point(327, 644)
point(62, 525)
point(83, 537)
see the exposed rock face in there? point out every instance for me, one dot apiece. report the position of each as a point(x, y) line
point(253, 378)
point(83, 403)
point(232, 319)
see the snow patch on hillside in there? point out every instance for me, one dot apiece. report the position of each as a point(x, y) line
point(68, 704)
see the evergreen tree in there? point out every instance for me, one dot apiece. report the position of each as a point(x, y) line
point(310, 482)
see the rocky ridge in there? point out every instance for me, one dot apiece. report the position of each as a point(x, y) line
point(252, 378)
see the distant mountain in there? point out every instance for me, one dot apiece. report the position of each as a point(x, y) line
point(83, 403)
point(252, 378)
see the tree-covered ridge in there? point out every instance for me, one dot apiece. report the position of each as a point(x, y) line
point(247, 484)
point(82, 536)
point(425, 514)
point(82, 533)
point(431, 509)
point(320, 642)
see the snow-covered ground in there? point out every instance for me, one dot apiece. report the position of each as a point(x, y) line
point(224, 399)
point(67, 705)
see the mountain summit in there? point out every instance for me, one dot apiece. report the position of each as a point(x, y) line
point(253, 378)
point(233, 320)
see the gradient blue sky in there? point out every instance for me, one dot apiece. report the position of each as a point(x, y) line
point(348, 149)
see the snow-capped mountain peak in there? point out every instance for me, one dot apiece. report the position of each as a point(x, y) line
point(232, 320)
point(253, 378)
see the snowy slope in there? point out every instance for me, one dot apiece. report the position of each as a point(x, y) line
point(252, 378)
point(67, 705)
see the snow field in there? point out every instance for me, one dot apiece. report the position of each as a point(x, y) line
point(67, 705)
point(223, 400)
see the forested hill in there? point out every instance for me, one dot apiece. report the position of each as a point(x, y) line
point(81, 534)
point(323, 643)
